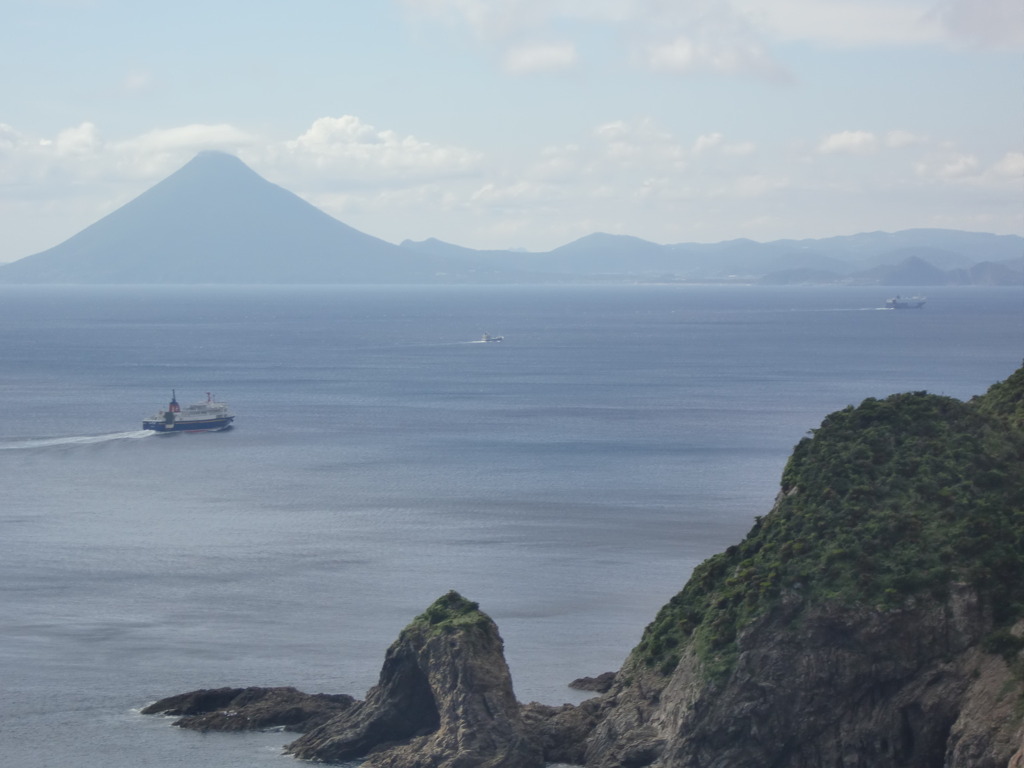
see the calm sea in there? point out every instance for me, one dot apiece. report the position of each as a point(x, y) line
point(568, 478)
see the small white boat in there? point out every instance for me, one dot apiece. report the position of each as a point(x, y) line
point(901, 302)
point(487, 338)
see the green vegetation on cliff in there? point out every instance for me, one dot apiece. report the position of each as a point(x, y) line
point(895, 498)
point(449, 613)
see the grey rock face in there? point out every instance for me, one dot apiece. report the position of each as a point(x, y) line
point(250, 709)
point(444, 700)
point(851, 688)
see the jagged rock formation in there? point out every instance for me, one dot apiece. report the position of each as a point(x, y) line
point(815, 686)
point(873, 619)
point(250, 709)
point(602, 683)
point(444, 699)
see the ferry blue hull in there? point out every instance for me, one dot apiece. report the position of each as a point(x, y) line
point(207, 425)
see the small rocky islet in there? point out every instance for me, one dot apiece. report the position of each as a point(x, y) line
point(874, 617)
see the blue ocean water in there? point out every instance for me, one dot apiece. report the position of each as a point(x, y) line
point(568, 478)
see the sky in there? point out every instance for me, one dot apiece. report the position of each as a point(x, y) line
point(497, 124)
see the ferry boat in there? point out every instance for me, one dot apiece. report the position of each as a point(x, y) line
point(899, 302)
point(208, 416)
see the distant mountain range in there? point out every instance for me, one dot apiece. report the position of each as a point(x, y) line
point(217, 221)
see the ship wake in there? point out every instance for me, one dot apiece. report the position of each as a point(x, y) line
point(26, 443)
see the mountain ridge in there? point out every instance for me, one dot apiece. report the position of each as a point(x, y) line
point(215, 220)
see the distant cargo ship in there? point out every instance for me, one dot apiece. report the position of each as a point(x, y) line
point(208, 416)
point(899, 302)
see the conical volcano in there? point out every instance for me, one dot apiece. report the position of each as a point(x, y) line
point(215, 220)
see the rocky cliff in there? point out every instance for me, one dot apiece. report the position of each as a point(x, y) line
point(875, 617)
point(815, 686)
point(872, 618)
point(444, 700)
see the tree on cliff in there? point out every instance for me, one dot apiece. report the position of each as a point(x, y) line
point(887, 500)
point(858, 616)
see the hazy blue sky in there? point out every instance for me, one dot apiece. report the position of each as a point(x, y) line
point(525, 123)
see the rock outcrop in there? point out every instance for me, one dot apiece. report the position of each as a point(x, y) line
point(873, 619)
point(815, 686)
point(444, 700)
point(601, 684)
point(250, 709)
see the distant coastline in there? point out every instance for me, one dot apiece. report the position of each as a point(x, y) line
point(170, 235)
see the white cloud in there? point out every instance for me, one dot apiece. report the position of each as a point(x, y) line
point(699, 36)
point(639, 144)
point(685, 55)
point(679, 55)
point(540, 58)
point(899, 139)
point(759, 185)
point(21, 158)
point(485, 19)
point(740, 148)
point(524, 194)
point(634, 176)
point(949, 166)
point(845, 22)
point(188, 139)
point(1010, 165)
point(348, 147)
point(731, 37)
point(706, 142)
point(163, 151)
point(80, 154)
point(559, 164)
point(519, 31)
point(137, 82)
point(850, 143)
point(630, 169)
point(327, 133)
point(80, 140)
point(746, 186)
point(489, 20)
point(716, 141)
point(10, 139)
point(982, 22)
point(959, 167)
